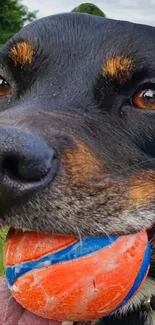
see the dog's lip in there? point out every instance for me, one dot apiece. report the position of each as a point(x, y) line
point(13, 230)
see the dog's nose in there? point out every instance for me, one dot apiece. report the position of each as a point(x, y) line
point(26, 160)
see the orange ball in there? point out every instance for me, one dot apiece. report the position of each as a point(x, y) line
point(62, 278)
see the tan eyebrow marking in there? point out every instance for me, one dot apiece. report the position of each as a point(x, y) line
point(120, 68)
point(21, 53)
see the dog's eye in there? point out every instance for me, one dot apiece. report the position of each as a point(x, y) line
point(145, 98)
point(5, 88)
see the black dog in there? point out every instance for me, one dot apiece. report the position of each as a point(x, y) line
point(77, 134)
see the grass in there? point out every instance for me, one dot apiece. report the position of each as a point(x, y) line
point(3, 233)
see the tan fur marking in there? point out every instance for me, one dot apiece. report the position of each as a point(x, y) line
point(119, 68)
point(81, 164)
point(21, 53)
point(142, 188)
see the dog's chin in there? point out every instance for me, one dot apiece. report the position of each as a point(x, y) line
point(150, 232)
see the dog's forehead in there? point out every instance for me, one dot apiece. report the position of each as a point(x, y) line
point(68, 52)
point(88, 35)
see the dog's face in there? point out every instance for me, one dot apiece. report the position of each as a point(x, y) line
point(77, 127)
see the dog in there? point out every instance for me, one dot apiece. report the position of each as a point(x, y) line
point(77, 139)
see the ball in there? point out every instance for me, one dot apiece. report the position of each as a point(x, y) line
point(66, 279)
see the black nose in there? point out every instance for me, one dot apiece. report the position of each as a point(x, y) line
point(26, 161)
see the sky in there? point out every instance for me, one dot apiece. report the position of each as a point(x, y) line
point(139, 11)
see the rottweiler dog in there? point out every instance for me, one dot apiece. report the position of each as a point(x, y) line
point(77, 139)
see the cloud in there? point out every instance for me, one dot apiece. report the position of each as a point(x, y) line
point(139, 11)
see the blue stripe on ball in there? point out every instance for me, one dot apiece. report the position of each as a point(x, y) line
point(142, 272)
point(77, 250)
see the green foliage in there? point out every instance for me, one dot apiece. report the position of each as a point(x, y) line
point(3, 233)
point(89, 8)
point(13, 16)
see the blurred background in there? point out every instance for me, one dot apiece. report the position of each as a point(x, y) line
point(139, 11)
point(14, 14)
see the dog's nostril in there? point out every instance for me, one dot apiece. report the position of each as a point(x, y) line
point(10, 166)
point(29, 168)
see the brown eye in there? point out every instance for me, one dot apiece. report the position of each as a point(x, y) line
point(5, 88)
point(145, 98)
